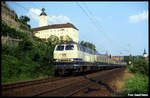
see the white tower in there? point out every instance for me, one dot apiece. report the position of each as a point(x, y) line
point(43, 18)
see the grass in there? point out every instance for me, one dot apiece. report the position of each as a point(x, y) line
point(135, 85)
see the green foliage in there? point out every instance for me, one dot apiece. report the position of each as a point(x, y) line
point(5, 49)
point(3, 2)
point(136, 85)
point(13, 68)
point(10, 67)
point(24, 19)
point(139, 83)
point(65, 38)
point(88, 44)
point(37, 39)
point(30, 59)
point(8, 31)
point(26, 44)
point(9, 50)
point(129, 58)
point(53, 40)
point(140, 66)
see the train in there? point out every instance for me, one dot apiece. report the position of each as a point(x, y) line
point(70, 57)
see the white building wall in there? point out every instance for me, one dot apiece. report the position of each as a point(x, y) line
point(71, 32)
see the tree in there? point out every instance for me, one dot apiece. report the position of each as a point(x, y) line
point(140, 65)
point(88, 44)
point(53, 39)
point(24, 19)
point(4, 2)
point(26, 44)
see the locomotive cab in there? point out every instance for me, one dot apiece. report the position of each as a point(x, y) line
point(66, 52)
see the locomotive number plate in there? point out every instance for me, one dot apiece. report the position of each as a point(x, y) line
point(63, 54)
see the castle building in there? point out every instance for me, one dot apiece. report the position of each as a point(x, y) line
point(44, 31)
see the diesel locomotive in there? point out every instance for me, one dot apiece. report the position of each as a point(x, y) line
point(72, 57)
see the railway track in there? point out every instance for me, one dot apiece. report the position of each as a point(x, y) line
point(30, 82)
point(65, 87)
point(74, 87)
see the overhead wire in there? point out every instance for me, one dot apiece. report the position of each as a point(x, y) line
point(87, 15)
point(85, 37)
point(97, 22)
point(28, 9)
point(25, 8)
point(98, 25)
point(37, 14)
point(93, 20)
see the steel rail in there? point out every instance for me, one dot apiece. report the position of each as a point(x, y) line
point(77, 90)
point(56, 88)
point(30, 82)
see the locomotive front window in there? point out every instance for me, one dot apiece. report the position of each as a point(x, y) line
point(60, 48)
point(69, 47)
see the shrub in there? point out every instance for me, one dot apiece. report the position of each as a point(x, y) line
point(136, 85)
point(12, 32)
point(29, 60)
point(10, 67)
point(9, 50)
point(5, 49)
point(140, 65)
point(26, 44)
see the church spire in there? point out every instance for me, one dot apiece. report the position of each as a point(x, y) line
point(144, 51)
point(144, 54)
point(43, 13)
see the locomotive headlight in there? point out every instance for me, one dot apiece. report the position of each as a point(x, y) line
point(72, 59)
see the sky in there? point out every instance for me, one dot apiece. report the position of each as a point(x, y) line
point(118, 28)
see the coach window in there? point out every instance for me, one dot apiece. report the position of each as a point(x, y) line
point(69, 47)
point(60, 48)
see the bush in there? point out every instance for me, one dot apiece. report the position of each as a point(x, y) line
point(29, 67)
point(136, 85)
point(141, 66)
point(10, 67)
point(29, 60)
point(139, 83)
point(9, 50)
point(5, 49)
point(26, 44)
point(12, 32)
